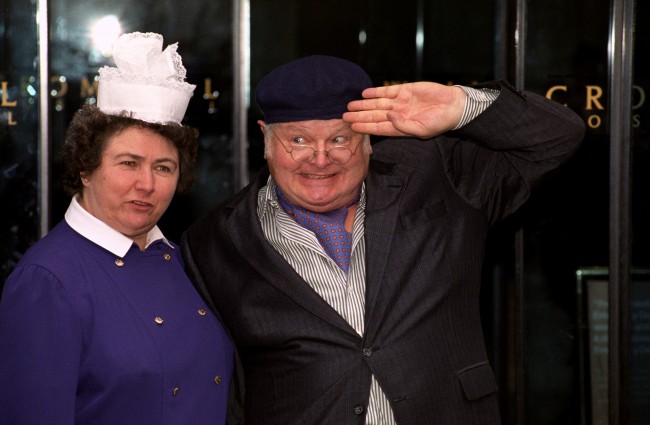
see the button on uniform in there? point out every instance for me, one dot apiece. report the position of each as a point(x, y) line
point(367, 351)
point(358, 409)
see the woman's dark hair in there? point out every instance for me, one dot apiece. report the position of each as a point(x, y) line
point(89, 130)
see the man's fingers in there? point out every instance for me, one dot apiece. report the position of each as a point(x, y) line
point(384, 128)
point(370, 104)
point(365, 116)
point(381, 91)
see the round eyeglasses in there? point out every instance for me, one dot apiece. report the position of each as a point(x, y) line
point(338, 155)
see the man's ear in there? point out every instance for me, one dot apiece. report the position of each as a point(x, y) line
point(262, 125)
point(264, 129)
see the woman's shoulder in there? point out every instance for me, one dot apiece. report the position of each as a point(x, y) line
point(61, 252)
point(57, 245)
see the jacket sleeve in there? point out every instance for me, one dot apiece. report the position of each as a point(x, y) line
point(40, 350)
point(494, 161)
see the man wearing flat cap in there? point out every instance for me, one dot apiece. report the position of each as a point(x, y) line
point(348, 274)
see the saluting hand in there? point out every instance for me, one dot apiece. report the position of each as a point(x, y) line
point(422, 109)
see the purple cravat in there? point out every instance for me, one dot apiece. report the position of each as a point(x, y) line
point(329, 228)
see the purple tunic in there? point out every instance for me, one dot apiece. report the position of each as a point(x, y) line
point(87, 338)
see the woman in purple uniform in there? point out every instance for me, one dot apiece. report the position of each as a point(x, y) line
point(98, 322)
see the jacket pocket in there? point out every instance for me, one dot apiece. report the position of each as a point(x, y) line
point(424, 215)
point(477, 380)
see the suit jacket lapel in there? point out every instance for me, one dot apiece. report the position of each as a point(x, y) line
point(261, 256)
point(383, 189)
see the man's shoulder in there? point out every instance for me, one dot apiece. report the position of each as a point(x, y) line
point(218, 214)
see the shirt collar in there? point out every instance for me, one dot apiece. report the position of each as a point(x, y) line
point(95, 230)
point(267, 198)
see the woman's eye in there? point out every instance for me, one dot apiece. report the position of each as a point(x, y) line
point(164, 169)
point(129, 163)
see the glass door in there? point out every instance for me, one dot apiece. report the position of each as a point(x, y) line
point(19, 138)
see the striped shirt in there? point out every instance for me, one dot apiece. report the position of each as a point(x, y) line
point(346, 294)
point(478, 101)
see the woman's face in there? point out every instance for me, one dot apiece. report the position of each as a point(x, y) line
point(134, 184)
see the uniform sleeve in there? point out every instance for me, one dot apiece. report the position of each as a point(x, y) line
point(40, 346)
point(497, 158)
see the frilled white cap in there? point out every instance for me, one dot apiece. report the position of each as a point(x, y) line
point(147, 82)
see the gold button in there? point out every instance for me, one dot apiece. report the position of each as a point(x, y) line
point(119, 262)
point(217, 379)
point(175, 391)
point(202, 312)
point(167, 257)
point(158, 320)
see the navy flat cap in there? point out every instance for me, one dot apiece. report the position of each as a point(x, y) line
point(312, 88)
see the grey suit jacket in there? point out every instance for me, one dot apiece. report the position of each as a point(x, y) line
point(430, 204)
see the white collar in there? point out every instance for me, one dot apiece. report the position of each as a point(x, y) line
point(92, 228)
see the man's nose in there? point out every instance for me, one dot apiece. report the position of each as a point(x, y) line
point(321, 158)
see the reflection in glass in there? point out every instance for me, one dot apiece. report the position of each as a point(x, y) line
point(19, 88)
point(104, 33)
